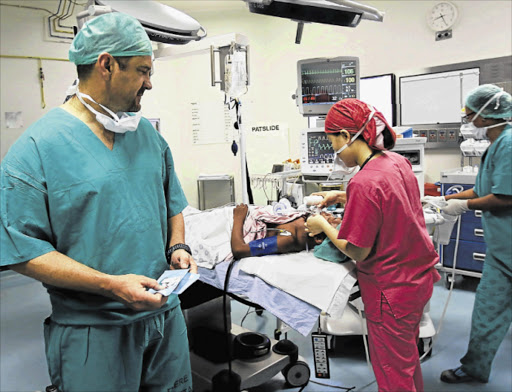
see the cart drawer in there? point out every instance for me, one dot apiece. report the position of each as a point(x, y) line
point(469, 230)
point(470, 255)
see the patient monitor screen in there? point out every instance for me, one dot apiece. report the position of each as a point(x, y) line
point(319, 148)
point(317, 155)
point(323, 82)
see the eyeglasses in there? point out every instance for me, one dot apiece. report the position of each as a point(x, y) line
point(466, 118)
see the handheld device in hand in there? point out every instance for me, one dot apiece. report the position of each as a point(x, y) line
point(313, 200)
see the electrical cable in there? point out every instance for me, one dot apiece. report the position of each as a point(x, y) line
point(246, 314)
point(225, 316)
point(69, 13)
point(441, 319)
point(330, 386)
point(56, 17)
point(50, 32)
point(26, 6)
point(263, 186)
point(248, 177)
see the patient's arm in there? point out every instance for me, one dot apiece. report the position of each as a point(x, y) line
point(238, 247)
point(285, 244)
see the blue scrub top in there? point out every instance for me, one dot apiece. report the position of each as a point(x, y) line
point(64, 190)
point(495, 176)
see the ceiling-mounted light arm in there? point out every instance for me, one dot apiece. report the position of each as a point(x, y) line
point(369, 13)
point(161, 22)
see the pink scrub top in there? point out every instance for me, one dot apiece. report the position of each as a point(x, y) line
point(383, 212)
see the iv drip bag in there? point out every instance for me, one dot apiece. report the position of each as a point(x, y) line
point(235, 75)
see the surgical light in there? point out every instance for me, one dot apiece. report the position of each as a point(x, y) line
point(162, 23)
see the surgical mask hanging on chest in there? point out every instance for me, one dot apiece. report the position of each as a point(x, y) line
point(118, 123)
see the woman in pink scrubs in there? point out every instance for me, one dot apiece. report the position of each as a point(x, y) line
point(383, 230)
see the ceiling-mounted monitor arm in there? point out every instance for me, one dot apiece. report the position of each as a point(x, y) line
point(300, 28)
point(345, 13)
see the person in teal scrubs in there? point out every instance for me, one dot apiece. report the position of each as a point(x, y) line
point(489, 109)
point(92, 207)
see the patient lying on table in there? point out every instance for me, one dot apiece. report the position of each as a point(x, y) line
point(225, 233)
point(280, 238)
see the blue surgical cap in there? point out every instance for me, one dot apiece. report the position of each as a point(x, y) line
point(500, 106)
point(118, 34)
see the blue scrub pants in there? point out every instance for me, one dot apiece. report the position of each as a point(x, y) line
point(148, 355)
point(492, 315)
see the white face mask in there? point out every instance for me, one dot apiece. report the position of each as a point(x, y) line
point(118, 123)
point(340, 169)
point(475, 132)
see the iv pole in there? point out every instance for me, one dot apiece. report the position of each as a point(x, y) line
point(223, 52)
point(217, 44)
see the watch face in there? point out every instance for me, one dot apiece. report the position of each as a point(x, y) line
point(442, 16)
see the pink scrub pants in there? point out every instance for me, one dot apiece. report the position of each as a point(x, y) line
point(394, 351)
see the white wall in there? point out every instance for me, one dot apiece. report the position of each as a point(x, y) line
point(402, 42)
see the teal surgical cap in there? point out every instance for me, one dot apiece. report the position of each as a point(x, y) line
point(499, 102)
point(118, 34)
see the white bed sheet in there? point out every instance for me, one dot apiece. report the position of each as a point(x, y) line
point(321, 283)
point(209, 235)
point(296, 313)
point(294, 306)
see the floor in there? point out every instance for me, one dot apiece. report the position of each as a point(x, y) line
point(24, 305)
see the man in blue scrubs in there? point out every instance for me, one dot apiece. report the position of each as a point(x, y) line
point(489, 111)
point(92, 207)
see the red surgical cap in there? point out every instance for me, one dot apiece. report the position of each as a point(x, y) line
point(351, 114)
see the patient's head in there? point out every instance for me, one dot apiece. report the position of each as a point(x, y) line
point(304, 238)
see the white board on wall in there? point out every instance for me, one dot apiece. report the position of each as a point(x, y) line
point(436, 98)
point(211, 122)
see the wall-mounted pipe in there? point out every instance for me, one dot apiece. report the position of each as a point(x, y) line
point(39, 70)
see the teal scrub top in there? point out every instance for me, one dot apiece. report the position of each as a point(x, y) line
point(495, 176)
point(64, 190)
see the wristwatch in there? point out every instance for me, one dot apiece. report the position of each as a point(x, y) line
point(175, 247)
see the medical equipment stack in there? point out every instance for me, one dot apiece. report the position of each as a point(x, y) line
point(321, 83)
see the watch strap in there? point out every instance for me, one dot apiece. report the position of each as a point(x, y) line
point(174, 248)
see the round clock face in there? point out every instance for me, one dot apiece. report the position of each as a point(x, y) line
point(442, 16)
